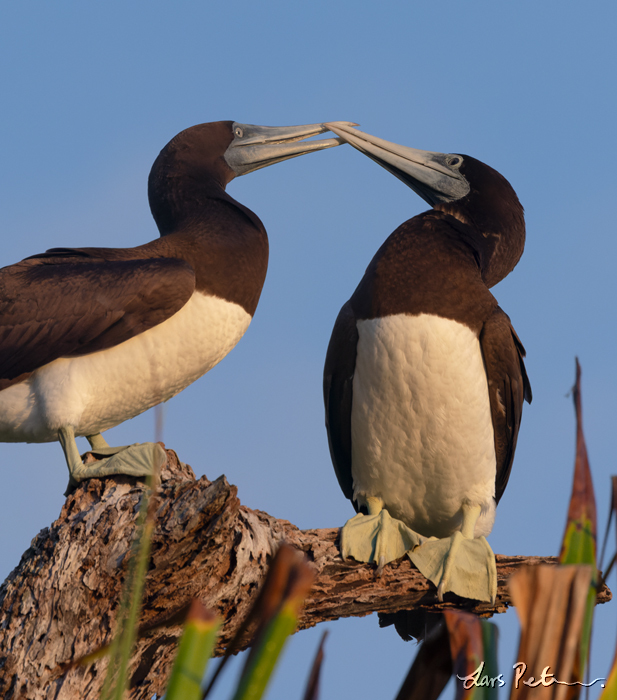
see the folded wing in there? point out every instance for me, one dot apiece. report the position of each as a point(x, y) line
point(338, 394)
point(508, 387)
point(67, 303)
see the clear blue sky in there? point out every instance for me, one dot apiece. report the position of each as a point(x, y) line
point(92, 92)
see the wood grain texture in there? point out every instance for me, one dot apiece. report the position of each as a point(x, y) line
point(61, 601)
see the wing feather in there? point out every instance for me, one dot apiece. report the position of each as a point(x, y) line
point(508, 387)
point(338, 395)
point(53, 307)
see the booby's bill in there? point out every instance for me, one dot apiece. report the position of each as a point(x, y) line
point(424, 378)
point(90, 337)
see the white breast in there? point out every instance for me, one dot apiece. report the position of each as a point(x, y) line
point(100, 390)
point(422, 433)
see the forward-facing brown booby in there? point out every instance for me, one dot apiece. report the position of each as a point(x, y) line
point(424, 378)
point(90, 337)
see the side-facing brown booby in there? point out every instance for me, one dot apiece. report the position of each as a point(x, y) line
point(90, 337)
point(424, 378)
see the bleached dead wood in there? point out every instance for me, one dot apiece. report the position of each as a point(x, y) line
point(61, 601)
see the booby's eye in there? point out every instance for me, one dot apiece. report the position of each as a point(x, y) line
point(454, 161)
point(238, 132)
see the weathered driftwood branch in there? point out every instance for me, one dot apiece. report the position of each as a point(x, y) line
point(61, 601)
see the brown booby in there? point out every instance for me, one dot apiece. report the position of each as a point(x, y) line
point(424, 378)
point(90, 337)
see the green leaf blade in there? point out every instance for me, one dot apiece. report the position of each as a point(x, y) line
point(267, 651)
point(579, 541)
point(194, 651)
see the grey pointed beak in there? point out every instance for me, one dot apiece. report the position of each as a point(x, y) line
point(428, 173)
point(257, 147)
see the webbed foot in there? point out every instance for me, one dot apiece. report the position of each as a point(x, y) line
point(132, 460)
point(99, 445)
point(461, 563)
point(377, 537)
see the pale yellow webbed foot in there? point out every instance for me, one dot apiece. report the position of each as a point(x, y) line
point(461, 563)
point(377, 537)
point(133, 460)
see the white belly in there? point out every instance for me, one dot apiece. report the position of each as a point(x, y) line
point(100, 390)
point(422, 433)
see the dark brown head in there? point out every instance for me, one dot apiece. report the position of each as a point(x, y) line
point(190, 170)
point(480, 198)
point(198, 163)
point(491, 209)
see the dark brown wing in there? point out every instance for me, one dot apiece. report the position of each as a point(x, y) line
point(338, 393)
point(67, 306)
point(508, 386)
